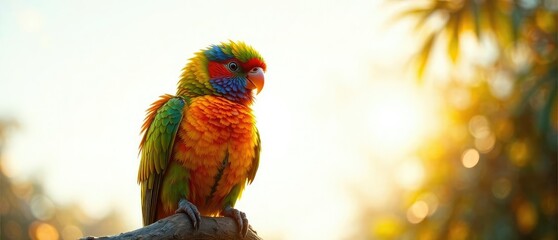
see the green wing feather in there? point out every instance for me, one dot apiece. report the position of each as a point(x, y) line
point(160, 128)
point(256, 159)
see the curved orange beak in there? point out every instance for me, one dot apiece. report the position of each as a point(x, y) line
point(255, 79)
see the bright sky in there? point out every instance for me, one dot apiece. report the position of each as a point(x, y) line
point(337, 112)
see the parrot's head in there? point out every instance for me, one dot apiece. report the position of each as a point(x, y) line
point(231, 70)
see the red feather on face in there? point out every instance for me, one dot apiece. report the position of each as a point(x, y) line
point(252, 63)
point(218, 70)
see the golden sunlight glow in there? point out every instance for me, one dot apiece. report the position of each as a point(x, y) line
point(398, 117)
point(410, 174)
point(355, 123)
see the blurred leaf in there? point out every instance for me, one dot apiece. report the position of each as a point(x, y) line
point(452, 27)
point(516, 19)
point(422, 14)
point(476, 18)
point(489, 12)
point(503, 28)
point(424, 55)
point(545, 118)
point(413, 12)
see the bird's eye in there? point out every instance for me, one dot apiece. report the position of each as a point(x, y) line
point(233, 66)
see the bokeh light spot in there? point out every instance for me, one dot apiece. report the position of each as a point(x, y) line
point(460, 98)
point(519, 153)
point(526, 217)
point(432, 201)
point(388, 227)
point(12, 229)
point(459, 230)
point(485, 145)
point(24, 190)
point(478, 126)
point(501, 85)
point(417, 212)
point(470, 158)
point(501, 188)
point(520, 56)
point(43, 231)
point(42, 207)
point(71, 232)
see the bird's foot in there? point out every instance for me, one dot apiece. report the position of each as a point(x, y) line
point(239, 217)
point(184, 206)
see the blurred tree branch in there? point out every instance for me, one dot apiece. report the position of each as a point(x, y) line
point(179, 226)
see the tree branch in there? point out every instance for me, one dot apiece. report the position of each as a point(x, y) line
point(179, 226)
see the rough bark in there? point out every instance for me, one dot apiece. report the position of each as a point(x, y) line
point(179, 226)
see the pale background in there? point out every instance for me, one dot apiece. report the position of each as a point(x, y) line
point(338, 118)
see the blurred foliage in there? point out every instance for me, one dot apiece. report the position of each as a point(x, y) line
point(491, 173)
point(27, 212)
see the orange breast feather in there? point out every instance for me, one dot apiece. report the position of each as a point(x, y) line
point(213, 129)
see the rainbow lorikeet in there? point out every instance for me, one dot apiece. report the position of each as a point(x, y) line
point(201, 147)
